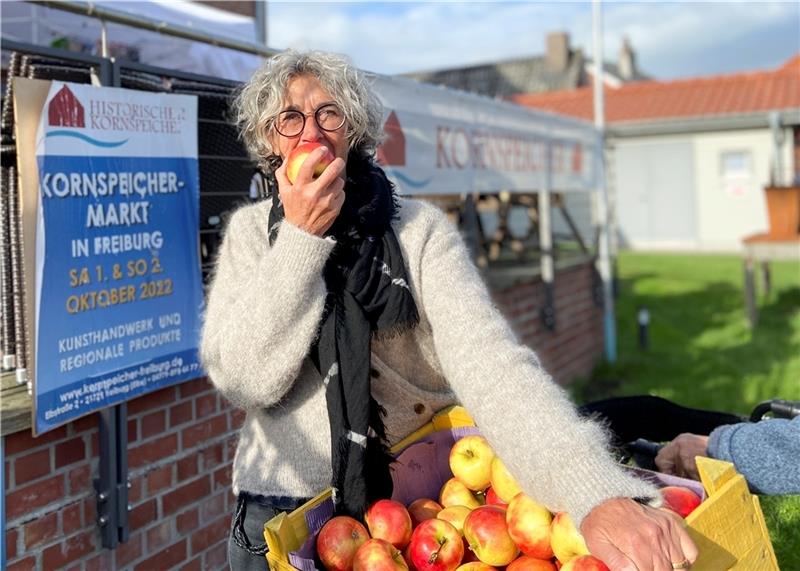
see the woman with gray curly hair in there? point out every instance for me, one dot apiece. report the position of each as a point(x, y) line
point(341, 318)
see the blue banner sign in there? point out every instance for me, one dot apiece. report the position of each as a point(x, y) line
point(118, 286)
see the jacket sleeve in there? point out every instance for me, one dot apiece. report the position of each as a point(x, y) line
point(263, 308)
point(766, 453)
point(559, 458)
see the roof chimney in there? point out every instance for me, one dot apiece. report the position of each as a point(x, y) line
point(557, 57)
point(627, 61)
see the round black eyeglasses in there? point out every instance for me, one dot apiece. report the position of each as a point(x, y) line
point(292, 122)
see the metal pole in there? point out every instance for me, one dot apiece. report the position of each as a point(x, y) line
point(604, 246)
point(2, 503)
point(262, 24)
point(126, 19)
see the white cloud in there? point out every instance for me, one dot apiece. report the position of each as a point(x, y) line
point(671, 38)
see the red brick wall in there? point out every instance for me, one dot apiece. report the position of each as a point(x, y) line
point(576, 345)
point(181, 442)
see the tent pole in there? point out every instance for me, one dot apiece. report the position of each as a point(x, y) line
point(604, 261)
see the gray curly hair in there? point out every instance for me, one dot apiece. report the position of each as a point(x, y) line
point(261, 98)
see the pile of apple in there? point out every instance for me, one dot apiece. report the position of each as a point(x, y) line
point(481, 521)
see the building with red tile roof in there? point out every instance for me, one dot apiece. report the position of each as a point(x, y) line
point(688, 159)
point(662, 101)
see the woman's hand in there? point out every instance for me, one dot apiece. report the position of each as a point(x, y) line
point(312, 204)
point(629, 536)
point(678, 457)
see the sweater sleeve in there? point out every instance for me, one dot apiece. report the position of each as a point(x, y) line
point(766, 453)
point(559, 458)
point(263, 308)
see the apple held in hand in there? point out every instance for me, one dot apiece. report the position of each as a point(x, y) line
point(680, 500)
point(503, 483)
point(378, 555)
point(585, 563)
point(422, 509)
point(487, 534)
point(454, 493)
point(528, 563)
point(529, 526)
point(298, 156)
point(435, 546)
point(338, 541)
point(389, 520)
point(471, 461)
point(565, 539)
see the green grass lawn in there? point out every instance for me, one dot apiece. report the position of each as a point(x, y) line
point(703, 353)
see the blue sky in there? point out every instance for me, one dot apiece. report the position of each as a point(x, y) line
point(671, 39)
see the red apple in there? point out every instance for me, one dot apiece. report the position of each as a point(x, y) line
point(436, 546)
point(529, 526)
point(389, 520)
point(422, 509)
point(492, 499)
point(378, 555)
point(471, 461)
point(298, 156)
point(528, 563)
point(338, 541)
point(585, 563)
point(682, 501)
point(487, 534)
point(407, 558)
point(455, 493)
point(503, 483)
point(565, 539)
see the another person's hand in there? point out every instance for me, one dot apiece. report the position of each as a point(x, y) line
point(312, 204)
point(678, 457)
point(629, 536)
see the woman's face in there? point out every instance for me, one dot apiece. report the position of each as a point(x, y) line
point(305, 94)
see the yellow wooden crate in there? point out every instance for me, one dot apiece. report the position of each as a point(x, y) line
point(728, 527)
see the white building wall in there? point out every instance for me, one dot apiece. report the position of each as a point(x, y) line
point(731, 205)
point(728, 193)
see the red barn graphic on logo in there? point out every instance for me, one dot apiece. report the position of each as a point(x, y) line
point(65, 110)
point(393, 150)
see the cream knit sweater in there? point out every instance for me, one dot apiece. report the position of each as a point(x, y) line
point(262, 315)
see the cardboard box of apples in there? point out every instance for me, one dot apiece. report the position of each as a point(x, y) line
point(456, 508)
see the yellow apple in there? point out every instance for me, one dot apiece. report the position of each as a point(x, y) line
point(566, 540)
point(503, 483)
point(471, 461)
point(455, 515)
point(454, 493)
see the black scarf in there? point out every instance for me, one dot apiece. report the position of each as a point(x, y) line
point(368, 294)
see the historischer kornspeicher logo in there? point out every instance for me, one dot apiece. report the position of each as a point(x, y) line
point(66, 110)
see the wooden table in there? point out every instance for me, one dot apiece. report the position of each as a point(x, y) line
point(760, 250)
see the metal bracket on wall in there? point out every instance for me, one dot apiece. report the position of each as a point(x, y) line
point(112, 486)
point(548, 311)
